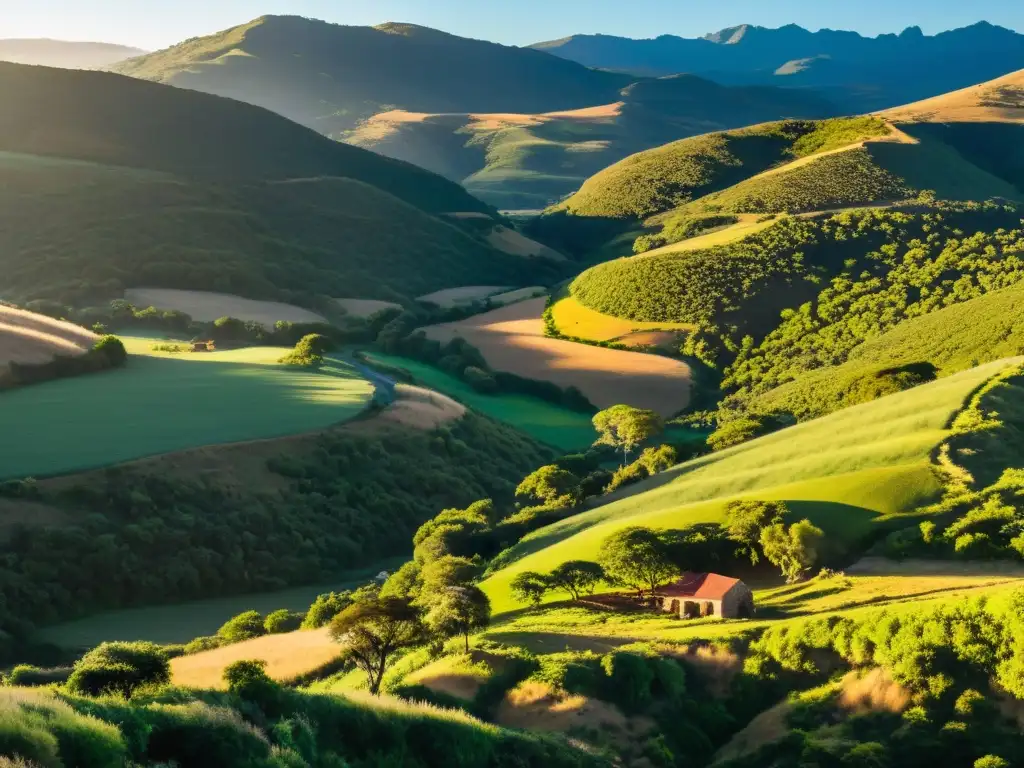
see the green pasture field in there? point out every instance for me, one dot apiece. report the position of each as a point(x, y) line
point(847, 472)
point(159, 403)
point(559, 427)
point(187, 621)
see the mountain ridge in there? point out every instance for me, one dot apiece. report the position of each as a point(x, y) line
point(68, 54)
point(857, 67)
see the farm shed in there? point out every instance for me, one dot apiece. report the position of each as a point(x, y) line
point(706, 594)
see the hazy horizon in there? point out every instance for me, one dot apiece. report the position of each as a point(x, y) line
point(164, 23)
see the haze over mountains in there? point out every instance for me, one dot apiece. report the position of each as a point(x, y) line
point(862, 73)
point(63, 53)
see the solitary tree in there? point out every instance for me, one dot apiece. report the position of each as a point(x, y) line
point(373, 630)
point(794, 550)
point(744, 520)
point(637, 557)
point(530, 587)
point(549, 484)
point(577, 577)
point(458, 611)
point(625, 427)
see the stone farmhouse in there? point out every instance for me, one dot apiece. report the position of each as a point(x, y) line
point(706, 594)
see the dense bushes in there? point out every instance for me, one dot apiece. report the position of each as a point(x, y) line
point(138, 536)
point(119, 668)
point(107, 353)
point(956, 663)
point(262, 726)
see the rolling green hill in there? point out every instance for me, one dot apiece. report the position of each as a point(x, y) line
point(846, 472)
point(329, 76)
point(122, 186)
point(956, 337)
point(527, 161)
point(667, 178)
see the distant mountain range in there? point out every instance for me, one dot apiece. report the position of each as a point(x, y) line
point(860, 73)
point(63, 53)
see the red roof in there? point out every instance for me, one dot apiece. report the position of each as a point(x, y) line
point(702, 586)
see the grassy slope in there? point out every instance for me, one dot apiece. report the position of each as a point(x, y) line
point(844, 472)
point(160, 403)
point(581, 628)
point(987, 328)
point(331, 76)
point(562, 428)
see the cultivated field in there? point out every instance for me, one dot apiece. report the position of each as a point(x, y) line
point(453, 297)
point(27, 337)
point(512, 339)
point(365, 307)
point(515, 243)
point(846, 472)
point(574, 319)
point(206, 307)
point(164, 402)
point(288, 656)
point(566, 430)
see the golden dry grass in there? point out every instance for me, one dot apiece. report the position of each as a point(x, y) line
point(512, 339)
point(419, 408)
point(365, 307)
point(287, 655)
point(385, 124)
point(30, 338)
point(205, 306)
point(515, 243)
point(748, 224)
point(536, 706)
point(872, 691)
point(574, 319)
point(996, 101)
point(766, 728)
point(453, 297)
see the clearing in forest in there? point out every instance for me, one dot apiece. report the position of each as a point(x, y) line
point(206, 307)
point(162, 402)
point(512, 339)
point(287, 655)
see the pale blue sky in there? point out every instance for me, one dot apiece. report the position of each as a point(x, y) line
point(158, 23)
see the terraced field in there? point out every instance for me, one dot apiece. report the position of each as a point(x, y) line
point(846, 472)
point(161, 402)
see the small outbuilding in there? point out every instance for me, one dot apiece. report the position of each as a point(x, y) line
point(706, 594)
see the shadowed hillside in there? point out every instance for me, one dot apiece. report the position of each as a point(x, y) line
point(329, 76)
point(110, 182)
